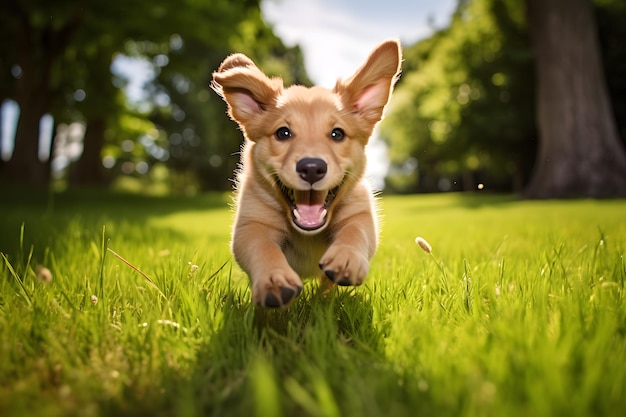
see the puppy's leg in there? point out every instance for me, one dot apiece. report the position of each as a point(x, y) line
point(256, 248)
point(346, 262)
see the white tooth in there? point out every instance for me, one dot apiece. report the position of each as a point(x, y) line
point(323, 215)
point(296, 214)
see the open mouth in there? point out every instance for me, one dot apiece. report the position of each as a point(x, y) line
point(309, 208)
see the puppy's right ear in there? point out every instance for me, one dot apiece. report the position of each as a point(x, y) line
point(247, 91)
point(366, 93)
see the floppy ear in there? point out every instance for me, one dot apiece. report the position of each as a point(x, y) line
point(247, 91)
point(366, 93)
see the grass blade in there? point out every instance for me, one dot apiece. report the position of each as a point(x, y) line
point(139, 271)
point(17, 279)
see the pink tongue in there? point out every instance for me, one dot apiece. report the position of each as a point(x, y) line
point(310, 216)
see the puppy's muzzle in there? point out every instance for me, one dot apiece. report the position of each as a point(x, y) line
point(309, 207)
point(311, 169)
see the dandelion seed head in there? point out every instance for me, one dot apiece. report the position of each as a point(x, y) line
point(481, 186)
point(43, 274)
point(423, 244)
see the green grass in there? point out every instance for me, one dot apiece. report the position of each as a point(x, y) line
point(519, 311)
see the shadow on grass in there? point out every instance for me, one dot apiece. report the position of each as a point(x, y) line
point(319, 335)
point(324, 343)
point(16, 197)
point(48, 215)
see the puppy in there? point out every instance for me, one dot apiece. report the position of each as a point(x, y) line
point(302, 206)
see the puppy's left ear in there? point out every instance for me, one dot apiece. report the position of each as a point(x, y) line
point(247, 91)
point(368, 90)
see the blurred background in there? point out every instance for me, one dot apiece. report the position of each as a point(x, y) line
point(115, 94)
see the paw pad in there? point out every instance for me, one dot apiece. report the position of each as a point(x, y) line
point(344, 282)
point(330, 274)
point(287, 294)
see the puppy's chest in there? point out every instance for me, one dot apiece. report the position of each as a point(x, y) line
point(304, 253)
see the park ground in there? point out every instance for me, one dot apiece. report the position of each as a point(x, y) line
point(117, 304)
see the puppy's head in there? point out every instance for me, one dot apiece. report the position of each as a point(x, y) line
point(308, 144)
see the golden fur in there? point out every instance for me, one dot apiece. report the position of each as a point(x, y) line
point(303, 208)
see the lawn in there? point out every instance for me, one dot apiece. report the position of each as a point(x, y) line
point(518, 311)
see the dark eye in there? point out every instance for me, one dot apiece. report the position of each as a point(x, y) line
point(337, 134)
point(283, 133)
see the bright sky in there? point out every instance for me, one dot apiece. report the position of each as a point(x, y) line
point(337, 35)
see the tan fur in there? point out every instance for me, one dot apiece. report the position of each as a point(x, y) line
point(273, 246)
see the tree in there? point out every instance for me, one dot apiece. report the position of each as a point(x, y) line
point(463, 108)
point(580, 153)
point(203, 144)
point(610, 18)
point(39, 42)
point(59, 46)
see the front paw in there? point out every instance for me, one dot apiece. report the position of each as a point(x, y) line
point(276, 289)
point(344, 266)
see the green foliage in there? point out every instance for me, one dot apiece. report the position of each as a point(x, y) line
point(464, 110)
point(465, 102)
point(519, 310)
point(67, 47)
point(201, 140)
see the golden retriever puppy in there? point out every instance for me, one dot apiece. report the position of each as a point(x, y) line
point(302, 206)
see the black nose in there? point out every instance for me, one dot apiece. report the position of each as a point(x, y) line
point(311, 169)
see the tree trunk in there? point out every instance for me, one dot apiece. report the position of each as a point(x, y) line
point(24, 165)
point(38, 50)
point(31, 95)
point(580, 153)
point(88, 170)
